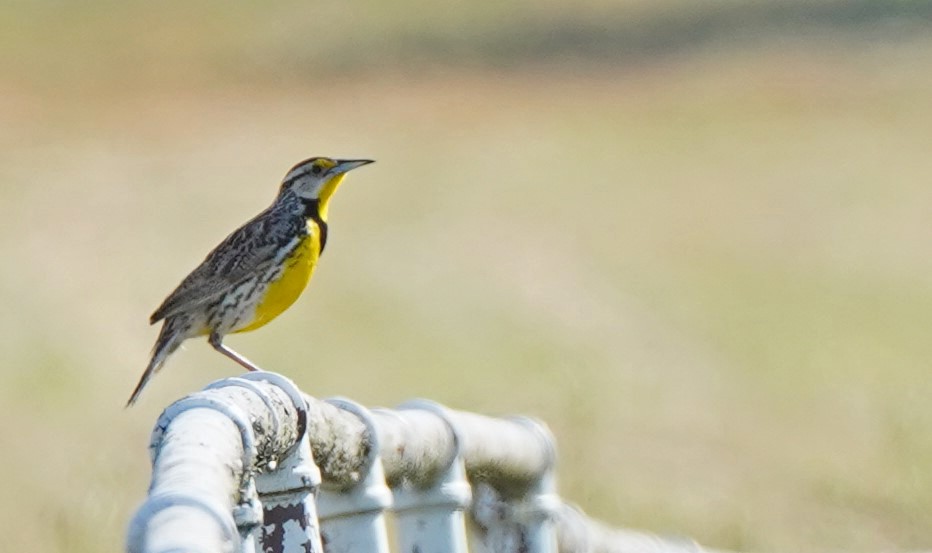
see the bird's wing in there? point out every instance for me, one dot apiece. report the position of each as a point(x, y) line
point(248, 250)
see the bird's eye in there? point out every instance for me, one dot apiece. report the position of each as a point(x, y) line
point(316, 169)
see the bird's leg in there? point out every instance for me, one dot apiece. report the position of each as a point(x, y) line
point(216, 341)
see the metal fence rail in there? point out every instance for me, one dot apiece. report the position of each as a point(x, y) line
point(251, 464)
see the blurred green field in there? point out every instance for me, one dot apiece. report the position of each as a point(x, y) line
point(692, 237)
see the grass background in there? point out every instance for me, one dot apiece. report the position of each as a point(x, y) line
point(693, 237)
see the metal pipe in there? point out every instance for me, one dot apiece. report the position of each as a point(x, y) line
point(430, 516)
point(353, 519)
point(195, 477)
point(212, 450)
point(205, 451)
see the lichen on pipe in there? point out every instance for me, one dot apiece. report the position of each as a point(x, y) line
point(417, 446)
point(339, 441)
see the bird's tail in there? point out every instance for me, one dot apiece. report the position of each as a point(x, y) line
point(174, 331)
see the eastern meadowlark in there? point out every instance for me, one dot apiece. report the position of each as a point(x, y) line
point(257, 272)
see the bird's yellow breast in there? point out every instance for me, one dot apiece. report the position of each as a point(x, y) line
point(297, 269)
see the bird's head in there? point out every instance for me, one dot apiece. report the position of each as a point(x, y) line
point(317, 178)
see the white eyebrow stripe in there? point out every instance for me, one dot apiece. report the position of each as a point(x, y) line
point(295, 173)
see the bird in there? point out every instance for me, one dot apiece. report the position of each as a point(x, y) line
point(255, 273)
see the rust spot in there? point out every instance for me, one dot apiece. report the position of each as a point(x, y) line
point(273, 530)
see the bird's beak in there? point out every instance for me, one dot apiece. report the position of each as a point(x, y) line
point(344, 165)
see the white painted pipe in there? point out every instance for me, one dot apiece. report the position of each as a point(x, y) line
point(205, 451)
point(431, 517)
point(352, 519)
point(217, 453)
point(193, 491)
